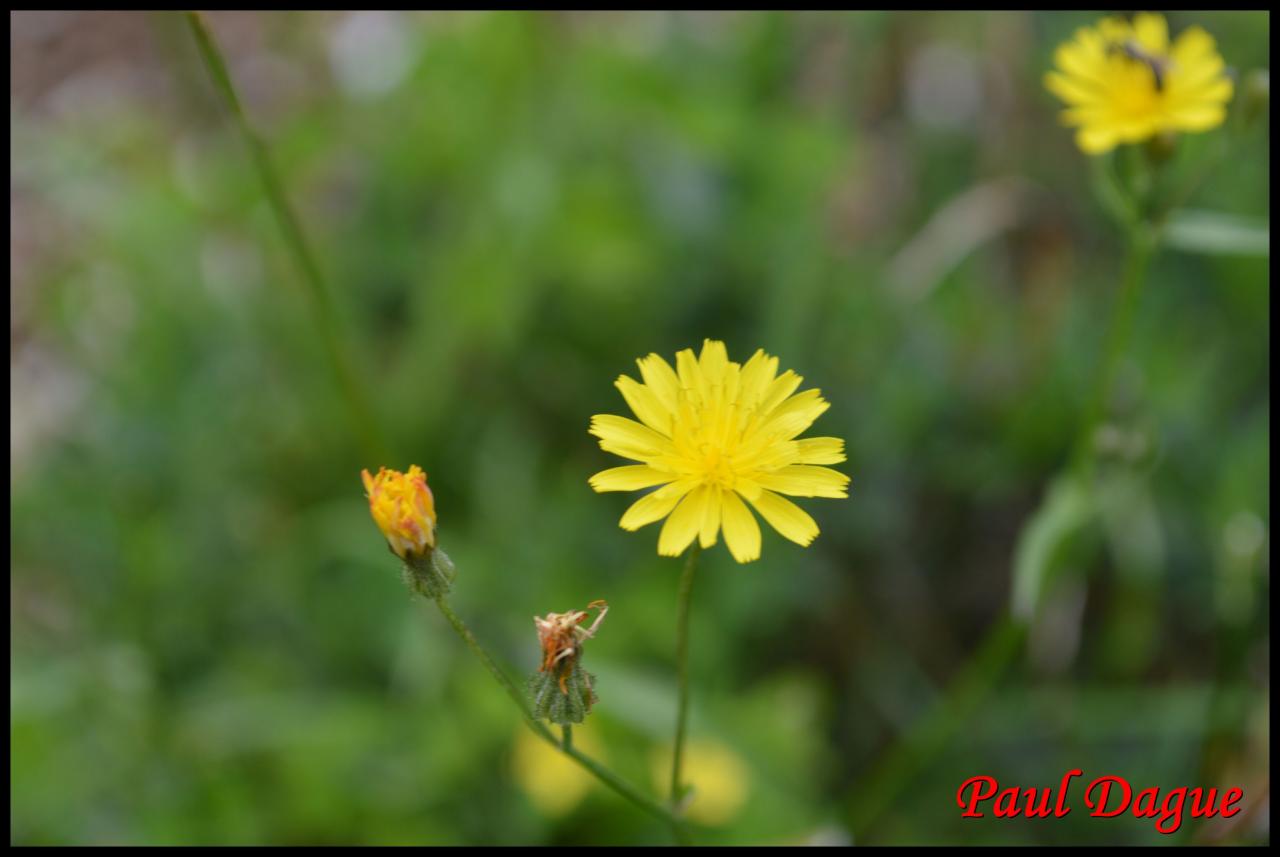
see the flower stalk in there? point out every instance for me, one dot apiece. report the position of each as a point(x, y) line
point(682, 671)
point(1142, 245)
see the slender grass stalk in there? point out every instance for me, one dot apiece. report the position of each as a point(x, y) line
point(599, 771)
point(682, 670)
point(326, 318)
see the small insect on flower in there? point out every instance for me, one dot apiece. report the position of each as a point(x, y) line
point(562, 690)
point(404, 509)
point(712, 434)
point(1125, 82)
point(1134, 51)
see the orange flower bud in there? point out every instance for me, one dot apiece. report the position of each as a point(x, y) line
point(404, 509)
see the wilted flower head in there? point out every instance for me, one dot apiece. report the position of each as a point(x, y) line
point(1124, 82)
point(562, 690)
point(713, 433)
point(403, 508)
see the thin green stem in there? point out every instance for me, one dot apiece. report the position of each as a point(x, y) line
point(682, 670)
point(499, 676)
point(295, 239)
point(1112, 193)
point(566, 743)
point(1141, 247)
point(610, 779)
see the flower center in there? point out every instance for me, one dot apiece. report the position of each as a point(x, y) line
point(717, 469)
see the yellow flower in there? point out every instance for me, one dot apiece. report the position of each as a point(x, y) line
point(403, 508)
point(554, 782)
point(720, 779)
point(713, 433)
point(1124, 83)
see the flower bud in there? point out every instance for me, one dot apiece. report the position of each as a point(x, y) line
point(403, 508)
point(562, 690)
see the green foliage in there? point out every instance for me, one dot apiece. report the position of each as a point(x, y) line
point(1216, 232)
point(1045, 542)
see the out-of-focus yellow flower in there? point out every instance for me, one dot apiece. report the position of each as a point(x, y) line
point(1124, 83)
point(554, 782)
point(713, 433)
point(403, 508)
point(720, 779)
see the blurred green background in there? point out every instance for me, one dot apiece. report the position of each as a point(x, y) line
point(209, 642)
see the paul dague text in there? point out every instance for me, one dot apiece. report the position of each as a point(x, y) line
point(1104, 797)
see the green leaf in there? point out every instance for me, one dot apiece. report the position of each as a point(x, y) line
point(1067, 509)
point(1218, 233)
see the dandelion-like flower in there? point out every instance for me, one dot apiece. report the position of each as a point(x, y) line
point(713, 433)
point(1124, 83)
point(403, 508)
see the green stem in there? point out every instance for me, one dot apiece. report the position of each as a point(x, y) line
point(682, 670)
point(1141, 246)
point(499, 676)
point(601, 773)
point(296, 241)
point(566, 742)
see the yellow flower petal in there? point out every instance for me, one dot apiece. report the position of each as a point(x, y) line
point(786, 517)
point(802, 480)
point(628, 438)
point(711, 516)
point(691, 380)
point(632, 477)
point(1073, 90)
point(661, 379)
point(796, 414)
point(741, 532)
point(778, 390)
point(819, 450)
point(1152, 32)
point(1096, 140)
point(1192, 45)
point(756, 376)
point(713, 361)
point(645, 405)
point(1198, 117)
point(655, 506)
point(682, 526)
